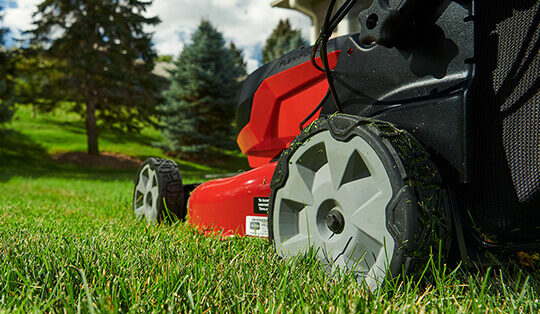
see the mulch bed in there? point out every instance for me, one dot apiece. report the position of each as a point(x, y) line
point(105, 160)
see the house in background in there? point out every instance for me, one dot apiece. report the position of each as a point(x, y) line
point(316, 10)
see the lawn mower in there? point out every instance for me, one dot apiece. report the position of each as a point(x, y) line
point(417, 135)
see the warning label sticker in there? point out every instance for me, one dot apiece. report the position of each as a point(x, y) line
point(260, 205)
point(257, 226)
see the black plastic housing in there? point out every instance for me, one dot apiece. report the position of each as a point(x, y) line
point(464, 78)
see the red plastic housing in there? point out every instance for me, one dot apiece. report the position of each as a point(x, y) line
point(226, 205)
point(280, 103)
point(231, 206)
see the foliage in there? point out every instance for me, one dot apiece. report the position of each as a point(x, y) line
point(104, 59)
point(282, 40)
point(6, 80)
point(35, 80)
point(164, 58)
point(200, 102)
point(238, 57)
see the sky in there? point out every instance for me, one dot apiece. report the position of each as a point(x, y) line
point(246, 23)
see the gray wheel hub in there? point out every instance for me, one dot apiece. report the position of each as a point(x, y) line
point(334, 202)
point(146, 195)
point(335, 221)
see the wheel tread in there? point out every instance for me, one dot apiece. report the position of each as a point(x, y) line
point(170, 188)
point(423, 176)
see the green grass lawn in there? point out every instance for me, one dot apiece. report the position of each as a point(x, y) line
point(69, 242)
point(61, 131)
point(27, 149)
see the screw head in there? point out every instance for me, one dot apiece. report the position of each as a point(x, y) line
point(335, 221)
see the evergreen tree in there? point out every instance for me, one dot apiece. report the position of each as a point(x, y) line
point(164, 58)
point(104, 59)
point(201, 100)
point(34, 83)
point(238, 58)
point(6, 80)
point(282, 40)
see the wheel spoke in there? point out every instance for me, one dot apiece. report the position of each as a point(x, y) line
point(368, 248)
point(151, 177)
point(343, 264)
point(150, 215)
point(139, 211)
point(356, 259)
point(359, 256)
point(307, 220)
point(339, 250)
point(357, 193)
point(322, 183)
point(294, 245)
point(141, 187)
point(338, 265)
point(352, 258)
point(297, 188)
point(143, 177)
point(338, 156)
point(155, 197)
point(370, 218)
point(155, 193)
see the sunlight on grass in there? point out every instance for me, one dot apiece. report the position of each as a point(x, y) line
point(52, 230)
point(60, 131)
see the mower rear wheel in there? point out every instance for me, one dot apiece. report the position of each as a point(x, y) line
point(159, 192)
point(362, 195)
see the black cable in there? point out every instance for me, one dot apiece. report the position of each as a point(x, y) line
point(319, 106)
point(329, 74)
point(314, 53)
point(327, 17)
point(329, 25)
point(334, 21)
point(341, 13)
point(322, 35)
point(326, 33)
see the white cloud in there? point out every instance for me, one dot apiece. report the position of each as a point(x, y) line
point(19, 18)
point(246, 23)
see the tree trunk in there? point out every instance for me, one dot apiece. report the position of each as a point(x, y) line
point(91, 127)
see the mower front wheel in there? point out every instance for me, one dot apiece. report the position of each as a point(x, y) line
point(361, 195)
point(159, 192)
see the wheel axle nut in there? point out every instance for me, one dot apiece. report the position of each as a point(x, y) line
point(335, 221)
